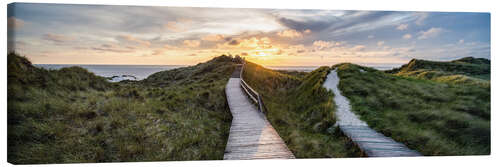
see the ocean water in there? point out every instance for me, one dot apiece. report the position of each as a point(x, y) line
point(117, 73)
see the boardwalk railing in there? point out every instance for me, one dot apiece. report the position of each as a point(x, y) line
point(251, 92)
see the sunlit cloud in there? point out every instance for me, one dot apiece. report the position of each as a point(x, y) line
point(407, 36)
point(192, 43)
point(57, 38)
point(321, 45)
point(380, 43)
point(113, 48)
point(358, 48)
point(178, 26)
point(402, 27)
point(421, 17)
point(14, 23)
point(134, 40)
point(74, 34)
point(214, 37)
point(430, 33)
point(290, 33)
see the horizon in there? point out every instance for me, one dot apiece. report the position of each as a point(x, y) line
point(373, 65)
point(67, 34)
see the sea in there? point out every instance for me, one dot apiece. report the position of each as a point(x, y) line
point(116, 73)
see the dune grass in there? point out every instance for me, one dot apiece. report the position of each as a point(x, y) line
point(466, 70)
point(432, 117)
point(70, 115)
point(301, 110)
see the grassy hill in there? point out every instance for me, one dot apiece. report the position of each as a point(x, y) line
point(467, 70)
point(71, 115)
point(301, 110)
point(417, 106)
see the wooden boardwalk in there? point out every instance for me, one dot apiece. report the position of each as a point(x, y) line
point(251, 136)
point(372, 143)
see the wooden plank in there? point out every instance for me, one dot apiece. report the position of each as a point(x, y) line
point(372, 143)
point(251, 136)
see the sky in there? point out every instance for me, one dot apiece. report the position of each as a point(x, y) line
point(100, 34)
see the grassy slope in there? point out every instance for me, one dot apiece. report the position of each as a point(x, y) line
point(433, 117)
point(71, 115)
point(300, 109)
point(467, 70)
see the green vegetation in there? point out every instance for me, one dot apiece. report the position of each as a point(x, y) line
point(301, 110)
point(467, 70)
point(70, 115)
point(433, 116)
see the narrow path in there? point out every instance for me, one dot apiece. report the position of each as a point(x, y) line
point(372, 143)
point(251, 136)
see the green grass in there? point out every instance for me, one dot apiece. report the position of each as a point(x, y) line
point(301, 110)
point(467, 70)
point(71, 115)
point(432, 117)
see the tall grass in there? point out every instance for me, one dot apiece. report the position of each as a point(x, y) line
point(71, 115)
point(435, 118)
point(466, 70)
point(301, 110)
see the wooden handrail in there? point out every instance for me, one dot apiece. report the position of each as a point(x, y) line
point(254, 95)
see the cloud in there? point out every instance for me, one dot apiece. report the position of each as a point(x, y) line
point(58, 38)
point(380, 43)
point(163, 49)
point(14, 23)
point(358, 48)
point(213, 38)
point(407, 36)
point(321, 45)
point(402, 27)
point(421, 18)
point(432, 32)
point(252, 43)
point(113, 48)
point(330, 24)
point(234, 42)
point(192, 43)
point(290, 33)
point(178, 26)
point(158, 52)
point(319, 29)
point(296, 48)
point(134, 40)
point(311, 24)
point(280, 51)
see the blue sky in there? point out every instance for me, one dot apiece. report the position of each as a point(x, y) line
point(91, 34)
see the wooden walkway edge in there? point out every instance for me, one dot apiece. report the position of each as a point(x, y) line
point(372, 143)
point(251, 136)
